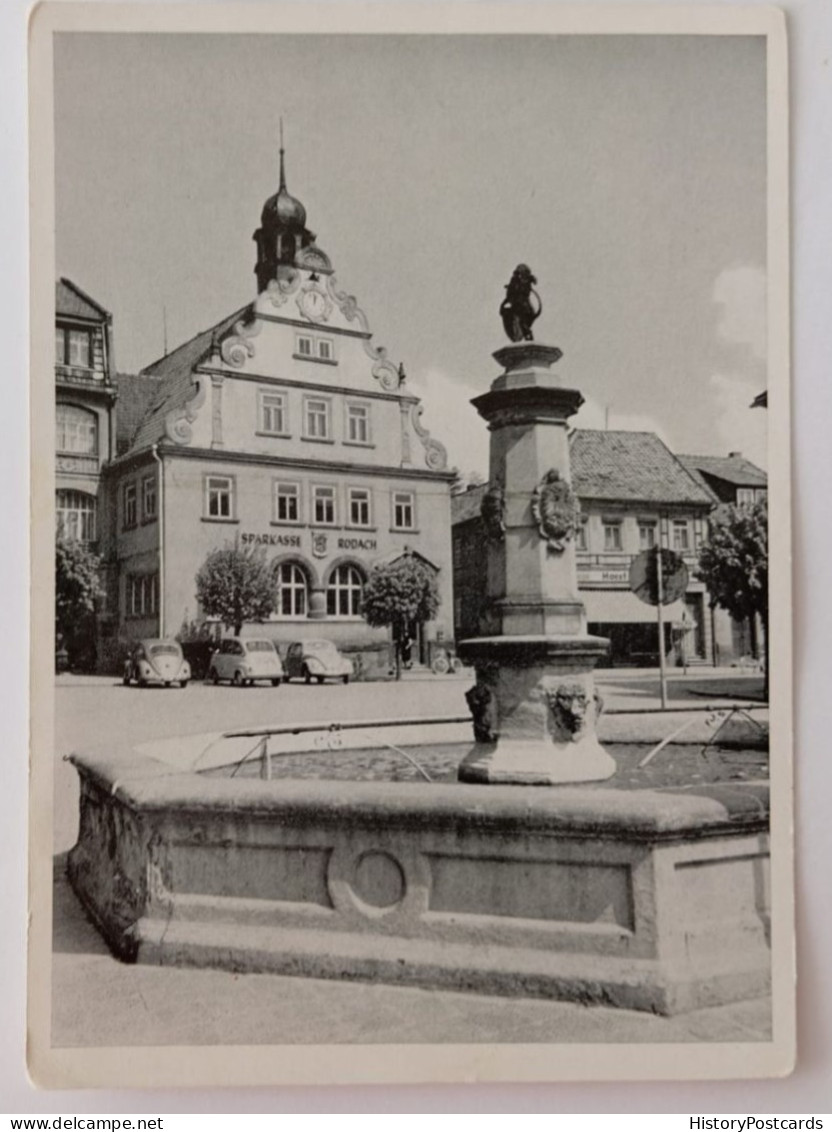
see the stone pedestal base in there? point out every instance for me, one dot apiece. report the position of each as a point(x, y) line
point(537, 764)
point(534, 708)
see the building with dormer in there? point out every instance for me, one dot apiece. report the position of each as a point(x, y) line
point(284, 427)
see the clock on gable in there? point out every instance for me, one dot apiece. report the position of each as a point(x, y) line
point(314, 304)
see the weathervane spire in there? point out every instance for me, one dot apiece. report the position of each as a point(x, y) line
point(282, 171)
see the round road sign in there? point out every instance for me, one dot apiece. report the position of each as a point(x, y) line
point(644, 582)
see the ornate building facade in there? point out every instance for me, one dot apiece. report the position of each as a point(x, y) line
point(285, 427)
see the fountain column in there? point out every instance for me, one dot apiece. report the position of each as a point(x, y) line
point(534, 703)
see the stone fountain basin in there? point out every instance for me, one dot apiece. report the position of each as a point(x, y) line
point(634, 898)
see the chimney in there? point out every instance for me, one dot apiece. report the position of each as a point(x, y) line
point(735, 455)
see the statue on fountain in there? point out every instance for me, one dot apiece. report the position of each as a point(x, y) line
point(517, 310)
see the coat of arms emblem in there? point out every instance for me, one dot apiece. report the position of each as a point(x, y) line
point(319, 545)
point(556, 510)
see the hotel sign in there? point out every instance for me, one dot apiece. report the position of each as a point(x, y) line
point(604, 576)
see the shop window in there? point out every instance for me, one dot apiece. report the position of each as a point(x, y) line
point(292, 589)
point(612, 536)
point(359, 507)
point(149, 498)
point(76, 430)
point(129, 505)
point(323, 505)
point(316, 419)
point(273, 414)
point(142, 595)
point(343, 595)
point(75, 516)
point(646, 535)
point(358, 424)
point(287, 502)
point(219, 497)
point(681, 534)
point(404, 511)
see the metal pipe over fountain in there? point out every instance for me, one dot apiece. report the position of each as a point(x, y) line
point(534, 704)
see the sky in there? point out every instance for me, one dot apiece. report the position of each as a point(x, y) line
point(627, 171)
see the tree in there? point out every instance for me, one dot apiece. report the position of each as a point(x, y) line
point(235, 585)
point(401, 595)
point(77, 589)
point(733, 563)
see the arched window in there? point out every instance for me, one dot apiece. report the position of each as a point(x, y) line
point(343, 595)
point(75, 515)
point(292, 586)
point(76, 430)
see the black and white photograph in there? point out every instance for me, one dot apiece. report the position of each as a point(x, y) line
point(412, 677)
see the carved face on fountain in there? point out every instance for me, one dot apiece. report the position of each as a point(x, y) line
point(570, 705)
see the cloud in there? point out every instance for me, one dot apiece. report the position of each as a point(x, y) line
point(452, 419)
point(739, 428)
point(740, 293)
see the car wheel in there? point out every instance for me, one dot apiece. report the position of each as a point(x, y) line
point(276, 683)
point(320, 679)
point(126, 679)
point(142, 682)
point(237, 680)
point(346, 679)
point(214, 676)
point(183, 683)
point(307, 675)
point(168, 683)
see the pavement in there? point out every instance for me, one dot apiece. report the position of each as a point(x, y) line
point(98, 1001)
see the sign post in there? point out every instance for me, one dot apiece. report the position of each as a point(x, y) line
point(659, 577)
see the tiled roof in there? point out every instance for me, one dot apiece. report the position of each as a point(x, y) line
point(135, 393)
point(174, 380)
point(631, 467)
point(466, 505)
point(71, 301)
point(733, 469)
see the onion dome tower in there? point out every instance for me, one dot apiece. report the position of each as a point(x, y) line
point(282, 234)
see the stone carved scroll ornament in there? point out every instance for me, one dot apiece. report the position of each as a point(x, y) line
point(436, 455)
point(483, 707)
point(383, 370)
point(279, 290)
point(569, 707)
point(556, 510)
point(179, 420)
point(238, 347)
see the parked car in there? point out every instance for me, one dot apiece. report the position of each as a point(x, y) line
point(244, 661)
point(157, 662)
point(317, 659)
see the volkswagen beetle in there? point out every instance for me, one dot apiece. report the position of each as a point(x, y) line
point(157, 662)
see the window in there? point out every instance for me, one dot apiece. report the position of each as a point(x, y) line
point(287, 502)
point(142, 595)
point(647, 535)
point(580, 535)
point(343, 595)
point(149, 497)
point(404, 511)
point(316, 421)
point(76, 430)
point(219, 497)
point(746, 496)
point(75, 513)
point(130, 508)
point(73, 347)
point(681, 534)
point(358, 424)
point(323, 505)
point(359, 507)
point(325, 350)
point(291, 590)
point(612, 535)
point(273, 414)
point(304, 346)
point(312, 348)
